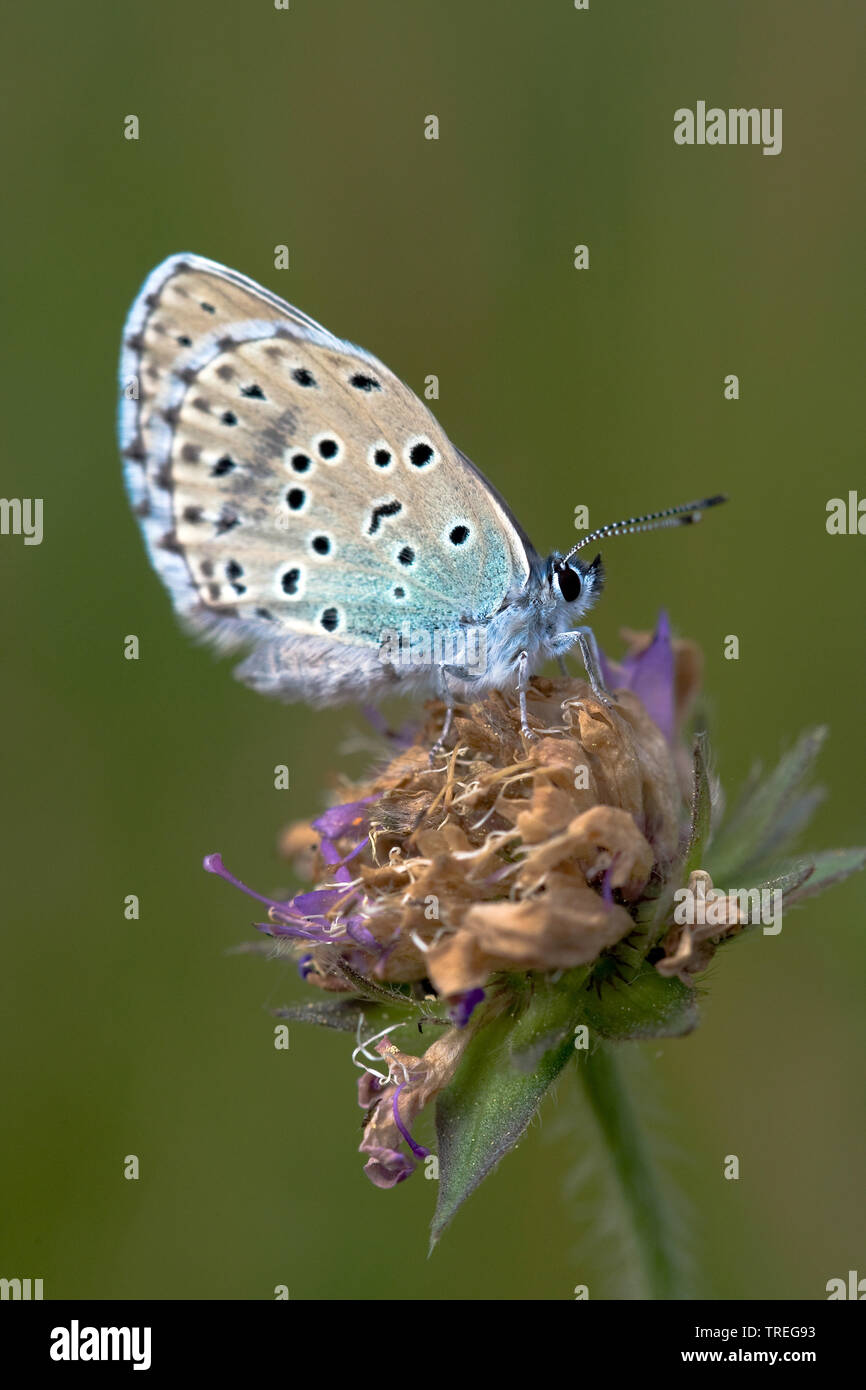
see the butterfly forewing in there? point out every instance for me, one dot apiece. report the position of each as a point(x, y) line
point(288, 483)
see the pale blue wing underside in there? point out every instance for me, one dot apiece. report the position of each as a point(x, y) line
point(295, 496)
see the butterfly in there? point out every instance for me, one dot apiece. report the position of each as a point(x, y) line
point(301, 503)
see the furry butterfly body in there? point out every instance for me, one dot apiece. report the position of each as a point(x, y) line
point(299, 501)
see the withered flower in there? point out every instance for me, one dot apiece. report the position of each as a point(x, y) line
point(510, 891)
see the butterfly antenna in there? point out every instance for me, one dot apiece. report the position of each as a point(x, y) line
point(685, 515)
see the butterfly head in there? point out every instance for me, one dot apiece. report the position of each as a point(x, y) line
point(574, 585)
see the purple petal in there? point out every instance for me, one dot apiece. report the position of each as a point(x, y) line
point(607, 883)
point(332, 855)
point(418, 1149)
point(361, 934)
point(462, 1006)
point(376, 719)
point(402, 737)
point(214, 865)
point(387, 1167)
point(339, 820)
point(318, 902)
point(370, 1088)
point(650, 674)
point(613, 674)
point(652, 677)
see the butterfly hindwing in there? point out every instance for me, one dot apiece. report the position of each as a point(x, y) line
point(295, 495)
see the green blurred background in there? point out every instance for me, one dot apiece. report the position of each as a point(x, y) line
point(604, 387)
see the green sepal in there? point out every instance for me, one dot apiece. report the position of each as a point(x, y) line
point(649, 1005)
point(500, 1084)
point(770, 813)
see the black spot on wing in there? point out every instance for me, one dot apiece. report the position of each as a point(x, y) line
point(379, 513)
point(234, 573)
point(421, 454)
point(227, 521)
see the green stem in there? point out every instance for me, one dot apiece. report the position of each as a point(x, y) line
point(623, 1136)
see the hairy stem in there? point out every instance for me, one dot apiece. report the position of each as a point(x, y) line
point(623, 1136)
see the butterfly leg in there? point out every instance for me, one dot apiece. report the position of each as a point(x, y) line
point(522, 683)
point(584, 637)
point(448, 697)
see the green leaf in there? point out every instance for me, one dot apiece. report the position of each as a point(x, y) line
point(374, 989)
point(654, 915)
point(819, 871)
point(702, 810)
point(805, 877)
point(342, 1014)
point(514, 1058)
point(499, 1087)
point(788, 879)
point(774, 809)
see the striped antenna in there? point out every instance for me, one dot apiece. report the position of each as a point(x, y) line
point(685, 515)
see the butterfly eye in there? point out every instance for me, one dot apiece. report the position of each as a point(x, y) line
point(569, 583)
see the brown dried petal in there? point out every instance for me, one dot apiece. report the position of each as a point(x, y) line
point(690, 948)
point(567, 924)
point(424, 1076)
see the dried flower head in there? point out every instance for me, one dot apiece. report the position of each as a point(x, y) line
point(510, 890)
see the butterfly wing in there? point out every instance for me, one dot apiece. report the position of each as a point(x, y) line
point(296, 497)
